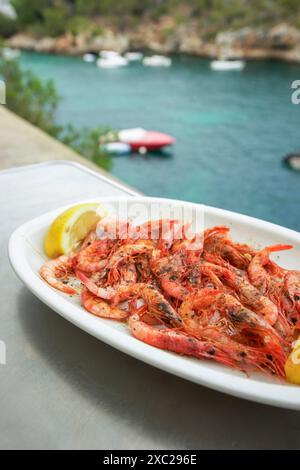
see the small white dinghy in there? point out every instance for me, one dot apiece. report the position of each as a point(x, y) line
point(106, 54)
point(225, 64)
point(112, 62)
point(117, 148)
point(134, 56)
point(157, 61)
point(89, 58)
point(293, 161)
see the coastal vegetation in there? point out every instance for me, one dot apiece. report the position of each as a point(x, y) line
point(46, 17)
point(36, 101)
point(29, 97)
point(252, 29)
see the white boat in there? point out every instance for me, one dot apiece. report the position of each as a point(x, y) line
point(112, 62)
point(89, 58)
point(117, 148)
point(293, 161)
point(106, 54)
point(224, 64)
point(157, 61)
point(134, 56)
point(10, 54)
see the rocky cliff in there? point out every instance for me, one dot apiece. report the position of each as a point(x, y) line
point(281, 41)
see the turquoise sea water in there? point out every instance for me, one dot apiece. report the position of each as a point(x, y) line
point(232, 128)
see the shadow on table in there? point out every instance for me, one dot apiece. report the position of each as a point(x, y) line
point(171, 412)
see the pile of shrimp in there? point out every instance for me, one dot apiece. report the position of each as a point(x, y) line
point(203, 295)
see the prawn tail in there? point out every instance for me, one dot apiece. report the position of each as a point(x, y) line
point(279, 247)
point(102, 292)
point(267, 362)
point(270, 346)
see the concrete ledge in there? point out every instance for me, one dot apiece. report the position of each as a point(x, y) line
point(21, 143)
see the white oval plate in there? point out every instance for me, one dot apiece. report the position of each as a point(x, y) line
point(26, 257)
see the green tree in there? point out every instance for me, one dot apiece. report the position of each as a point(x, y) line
point(27, 96)
point(77, 24)
point(54, 21)
point(8, 26)
point(37, 102)
point(86, 142)
point(30, 11)
point(87, 7)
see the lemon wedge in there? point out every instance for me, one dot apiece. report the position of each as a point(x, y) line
point(292, 366)
point(70, 227)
